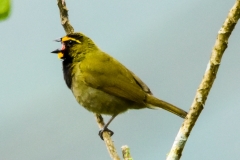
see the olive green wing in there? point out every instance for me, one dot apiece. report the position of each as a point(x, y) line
point(141, 83)
point(103, 72)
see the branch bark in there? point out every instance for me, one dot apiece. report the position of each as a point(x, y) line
point(107, 139)
point(64, 16)
point(207, 82)
point(69, 29)
point(126, 153)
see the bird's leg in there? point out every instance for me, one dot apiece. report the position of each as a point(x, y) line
point(100, 133)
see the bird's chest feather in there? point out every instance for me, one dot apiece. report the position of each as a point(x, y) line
point(94, 99)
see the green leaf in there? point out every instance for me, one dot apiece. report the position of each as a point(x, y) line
point(4, 9)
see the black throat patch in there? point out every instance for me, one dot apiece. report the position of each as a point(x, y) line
point(67, 72)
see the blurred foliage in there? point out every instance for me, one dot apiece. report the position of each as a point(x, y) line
point(4, 9)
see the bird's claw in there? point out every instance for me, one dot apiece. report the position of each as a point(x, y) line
point(100, 133)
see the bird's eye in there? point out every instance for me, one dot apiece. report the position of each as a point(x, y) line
point(70, 43)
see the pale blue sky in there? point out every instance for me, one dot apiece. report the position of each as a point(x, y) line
point(166, 43)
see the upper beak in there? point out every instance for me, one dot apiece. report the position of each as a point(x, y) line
point(56, 51)
point(58, 40)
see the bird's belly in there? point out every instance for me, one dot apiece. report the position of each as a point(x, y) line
point(100, 102)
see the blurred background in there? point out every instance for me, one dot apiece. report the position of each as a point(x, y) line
point(166, 43)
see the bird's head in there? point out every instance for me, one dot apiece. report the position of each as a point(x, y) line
point(74, 46)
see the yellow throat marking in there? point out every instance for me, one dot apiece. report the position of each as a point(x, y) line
point(60, 55)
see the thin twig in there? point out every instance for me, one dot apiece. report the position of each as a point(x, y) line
point(207, 82)
point(69, 29)
point(64, 16)
point(126, 153)
point(107, 139)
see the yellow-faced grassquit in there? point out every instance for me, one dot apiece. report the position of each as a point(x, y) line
point(101, 84)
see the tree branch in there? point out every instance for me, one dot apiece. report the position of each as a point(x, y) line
point(126, 153)
point(69, 29)
point(64, 16)
point(207, 82)
point(107, 139)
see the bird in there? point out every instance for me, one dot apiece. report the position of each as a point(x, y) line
point(101, 84)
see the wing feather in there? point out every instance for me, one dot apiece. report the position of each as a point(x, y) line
point(105, 73)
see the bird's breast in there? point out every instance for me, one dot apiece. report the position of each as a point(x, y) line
point(96, 100)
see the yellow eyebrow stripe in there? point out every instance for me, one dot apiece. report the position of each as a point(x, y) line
point(66, 38)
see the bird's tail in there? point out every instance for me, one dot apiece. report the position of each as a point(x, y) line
point(150, 99)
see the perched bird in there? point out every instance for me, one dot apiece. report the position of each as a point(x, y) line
point(101, 84)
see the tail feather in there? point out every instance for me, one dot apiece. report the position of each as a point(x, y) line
point(150, 99)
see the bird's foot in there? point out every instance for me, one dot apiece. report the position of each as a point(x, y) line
point(100, 133)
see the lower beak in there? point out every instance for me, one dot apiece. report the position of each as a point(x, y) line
point(56, 51)
point(59, 52)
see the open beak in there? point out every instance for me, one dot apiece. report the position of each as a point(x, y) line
point(59, 51)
